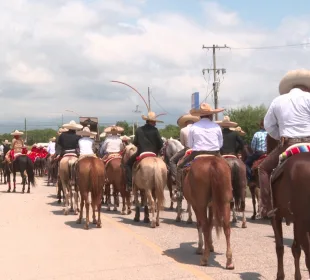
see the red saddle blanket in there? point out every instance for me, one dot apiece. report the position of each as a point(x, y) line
point(229, 156)
point(293, 150)
point(145, 155)
point(258, 162)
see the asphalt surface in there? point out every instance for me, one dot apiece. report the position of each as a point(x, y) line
point(39, 242)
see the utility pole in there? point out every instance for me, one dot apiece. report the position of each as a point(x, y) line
point(149, 97)
point(25, 130)
point(62, 119)
point(215, 72)
point(133, 126)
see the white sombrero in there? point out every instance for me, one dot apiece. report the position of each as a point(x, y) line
point(6, 142)
point(239, 130)
point(61, 130)
point(226, 123)
point(185, 118)
point(151, 116)
point(16, 132)
point(72, 125)
point(299, 77)
point(205, 110)
point(103, 134)
point(125, 138)
point(114, 129)
point(53, 139)
point(86, 132)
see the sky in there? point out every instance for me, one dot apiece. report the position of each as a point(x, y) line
point(58, 56)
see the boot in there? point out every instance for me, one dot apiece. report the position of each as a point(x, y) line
point(129, 178)
point(179, 181)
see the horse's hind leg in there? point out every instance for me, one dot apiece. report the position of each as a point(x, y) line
point(296, 249)
point(115, 195)
point(87, 204)
point(226, 227)
point(233, 209)
point(14, 182)
point(79, 220)
point(189, 210)
point(169, 185)
point(151, 201)
point(252, 190)
point(98, 201)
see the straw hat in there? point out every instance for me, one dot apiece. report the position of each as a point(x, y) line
point(185, 118)
point(6, 142)
point(103, 134)
point(114, 129)
point(34, 145)
point(16, 132)
point(72, 125)
point(151, 116)
point(86, 132)
point(53, 139)
point(204, 110)
point(125, 138)
point(299, 77)
point(239, 130)
point(226, 123)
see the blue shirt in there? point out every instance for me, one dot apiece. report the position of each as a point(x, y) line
point(259, 141)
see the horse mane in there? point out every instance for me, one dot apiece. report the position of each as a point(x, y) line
point(173, 146)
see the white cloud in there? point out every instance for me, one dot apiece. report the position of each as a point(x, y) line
point(59, 54)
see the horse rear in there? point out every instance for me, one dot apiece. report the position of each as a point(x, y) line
point(291, 199)
point(90, 176)
point(209, 180)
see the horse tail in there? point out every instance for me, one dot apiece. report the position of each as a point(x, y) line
point(158, 183)
point(218, 184)
point(30, 172)
point(237, 188)
point(96, 178)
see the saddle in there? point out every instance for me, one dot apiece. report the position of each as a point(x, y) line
point(141, 157)
point(257, 162)
point(290, 151)
point(110, 157)
point(69, 155)
point(229, 156)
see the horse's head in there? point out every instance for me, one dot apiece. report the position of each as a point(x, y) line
point(172, 147)
point(129, 151)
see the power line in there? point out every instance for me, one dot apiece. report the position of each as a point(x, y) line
point(271, 47)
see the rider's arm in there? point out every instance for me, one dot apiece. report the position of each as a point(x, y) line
point(271, 123)
point(254, 143)
point(220, 136)
point(190, 139)
point(182, 137)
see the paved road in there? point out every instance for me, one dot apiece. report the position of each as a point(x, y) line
point(39, 242)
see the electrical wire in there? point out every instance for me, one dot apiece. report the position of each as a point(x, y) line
point(271, 47)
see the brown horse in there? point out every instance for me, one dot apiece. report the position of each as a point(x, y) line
point(150, 176)
point(239, 183)
point(290, 199)
point(209, 180)
point(90, 175)
point(115, 177)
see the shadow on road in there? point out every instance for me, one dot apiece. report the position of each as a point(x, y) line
point(286, 241)
point(130, 221)
point(250, 276)
point(182, 224)
point(59, 212)
point(186, 254)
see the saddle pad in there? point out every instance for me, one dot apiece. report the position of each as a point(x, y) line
point(203, 155)
point(70, 155)
point(108, 159)
point(257, 162)
point(229, 156)
point(144, 155)
point(293, 150)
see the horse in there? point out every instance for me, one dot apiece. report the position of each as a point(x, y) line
point(150, 176)
point(171, 147)
point(22, 164)
point(39, 166)
point(90, 176)
point(116, 177)
point(208, 180)
point(290, 194)
point(239, 183)
point(2, 174)
point(51, 167)
point(65, 167)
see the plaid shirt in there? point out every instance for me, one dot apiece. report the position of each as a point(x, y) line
point(259, 141)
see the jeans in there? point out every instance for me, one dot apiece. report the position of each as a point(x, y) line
point(249, 163)
point(128, 167)
point(174, 160)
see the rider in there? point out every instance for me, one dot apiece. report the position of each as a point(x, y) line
point(113, 143)
point(184, 122)
point(126, 140)
point(51, 146)
point(86, 143)
point(6, 147)
point(17, 145)
point(69, 140)
point(287, 120)
point(204, 137)
point(232, 142)
point(147, 139)
point(258, 146)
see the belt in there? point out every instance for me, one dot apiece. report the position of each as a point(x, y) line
point(295, 140)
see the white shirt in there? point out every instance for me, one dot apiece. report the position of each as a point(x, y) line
point(205, 135)
point(1, 149)
point(51, 148)
point(184, 135)
point(289, 115)
point(113, 144)
point(86, 146)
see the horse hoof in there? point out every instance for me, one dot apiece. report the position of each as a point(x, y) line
point(171, 208)
point(136, 219)
point(157, 223)
point(153, 224)
point(28, 191)
point(199, 251)
point(212, 249)
point(14, 190)
point(230, 266)
point(123, 212)
point(114, 209)
point(146, 220)
point(234, 220)
point(59, 201)
point(78, 221)
point(66, 212)
point(99, 225)
point(178, 219)
point(203, 262)
point(8, 191)
point(94, 222)
point(109, 209)
point(86, 227)
point(76, 212)
point(253, 217)
point(189, 221)
point(244, 225)
point(129, 212)
point(71, 210)
point(22, 191)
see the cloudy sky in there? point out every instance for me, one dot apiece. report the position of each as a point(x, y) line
point(58, 55)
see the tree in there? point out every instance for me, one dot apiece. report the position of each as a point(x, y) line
point(127, 128)
point(170, 131)
point(248, 118)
